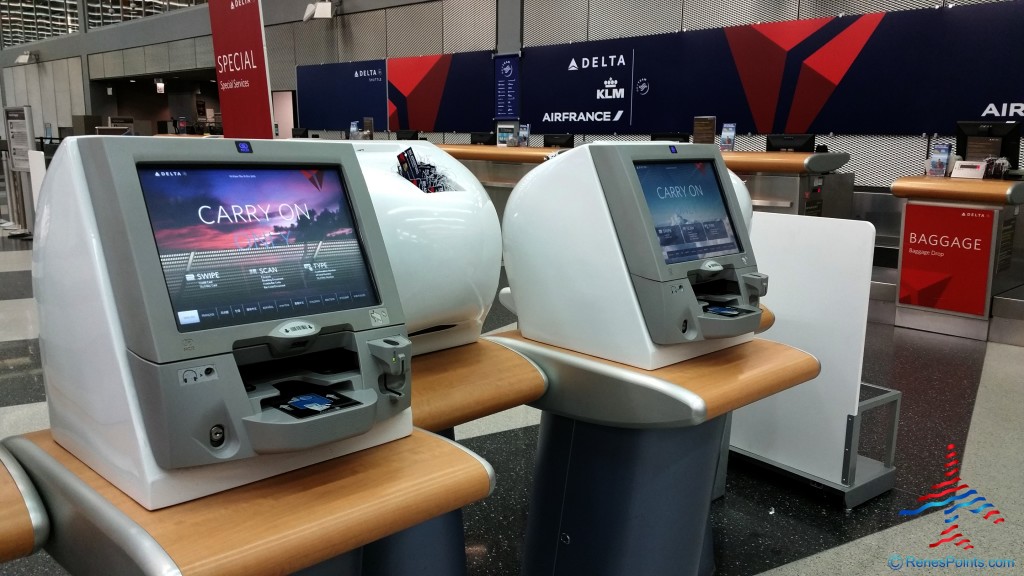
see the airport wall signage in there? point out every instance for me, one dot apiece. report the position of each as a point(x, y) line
point(946, 257)
point(240, 61)
point(506, 87)
point(441, 93)
point(908, 72)
point(331, 96)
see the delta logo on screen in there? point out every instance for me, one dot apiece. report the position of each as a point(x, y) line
point(761, 54)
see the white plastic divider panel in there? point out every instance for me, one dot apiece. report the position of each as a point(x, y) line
point(819, 281)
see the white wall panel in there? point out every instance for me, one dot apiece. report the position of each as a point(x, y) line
point(204, 52)
point(8, 87)
point(96, 66)
point(113, 64)
point(35, 99)
point(62, 93)
point(157, 59)
point(134, 61)
point(48, 96)
point(77, 82)
point(20, 86)
point(181, 54)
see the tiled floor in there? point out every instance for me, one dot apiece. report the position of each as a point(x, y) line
point(955, 391)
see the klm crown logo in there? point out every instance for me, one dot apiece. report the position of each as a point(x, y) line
point(610, 91)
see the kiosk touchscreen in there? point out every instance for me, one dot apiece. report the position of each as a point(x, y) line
point(637, 253)
point(215, 313)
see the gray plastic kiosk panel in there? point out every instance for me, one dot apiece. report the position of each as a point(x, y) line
point(684, 240)
point(148, 318)
point(617, 167)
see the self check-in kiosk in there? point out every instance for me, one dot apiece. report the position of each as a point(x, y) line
point(445, 246)
point(632, 274)
point(636, 253)
point(215, 313)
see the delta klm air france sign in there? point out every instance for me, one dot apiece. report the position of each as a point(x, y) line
point(861, 74)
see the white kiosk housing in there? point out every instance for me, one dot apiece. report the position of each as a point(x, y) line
point(445, 246)
point(633, 252)
point(215, 312)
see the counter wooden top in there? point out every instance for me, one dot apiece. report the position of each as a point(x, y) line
point(454, 386)
point(767, 320)
point(727, 379)
point(959, 190)
point(785, 162)
point(295, 520)
point(516, 154)
point(17, 536)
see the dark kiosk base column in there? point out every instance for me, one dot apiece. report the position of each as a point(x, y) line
point(617, 501)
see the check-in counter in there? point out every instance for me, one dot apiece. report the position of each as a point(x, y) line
point(783, 182)
point(795, 182)
point(275, 526)
point(956, 252)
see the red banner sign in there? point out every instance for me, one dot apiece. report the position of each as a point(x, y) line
point(241, 62)
point(946, 257)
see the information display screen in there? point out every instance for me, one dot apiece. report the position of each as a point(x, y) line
point(243, 244)
point(688, 210)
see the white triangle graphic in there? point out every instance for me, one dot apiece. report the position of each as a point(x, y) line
point(572, 65)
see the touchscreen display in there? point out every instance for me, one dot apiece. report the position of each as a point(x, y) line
point(242, 244)
point(689, 213)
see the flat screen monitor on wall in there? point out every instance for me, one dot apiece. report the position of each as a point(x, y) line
point(300, 132)
point(980, 140)
point(789, 143)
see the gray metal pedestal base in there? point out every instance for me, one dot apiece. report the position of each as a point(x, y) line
point(618, 502)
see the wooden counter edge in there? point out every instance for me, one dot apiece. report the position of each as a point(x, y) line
point(767, 320)
point(231, 533)
point(1001, 192)
point(517, 155)
point(458, 385)
point(17, 533)
point(721, 397)
point(785, 162)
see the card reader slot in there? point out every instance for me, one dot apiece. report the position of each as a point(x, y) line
point(325, 362)
point(313, 416)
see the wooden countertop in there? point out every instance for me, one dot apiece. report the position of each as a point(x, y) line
point(767, 320)
point(746, 162)
point(295, 520)
point(454, 386)
point(959, 190)
point(727, 379)
point(517, 154)
point(17, 536)
point(785, 162)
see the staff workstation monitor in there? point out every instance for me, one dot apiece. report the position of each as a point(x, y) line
point(789, 143)
point(977, 141)
point(652, 239)
point(215, 314)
